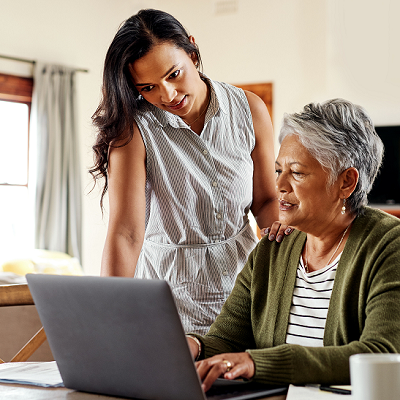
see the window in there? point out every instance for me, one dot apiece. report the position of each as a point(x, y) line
point(16, 213)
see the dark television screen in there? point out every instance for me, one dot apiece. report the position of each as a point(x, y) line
point(386, 188)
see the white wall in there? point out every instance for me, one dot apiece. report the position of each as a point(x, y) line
point(363, 51)
point(311, 50)
point(265, 41)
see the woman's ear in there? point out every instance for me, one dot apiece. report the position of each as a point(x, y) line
point(195, 59)
point(349, 181)
point(193, 56)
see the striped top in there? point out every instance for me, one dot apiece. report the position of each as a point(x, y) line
point(198, 195)
point(310, 303)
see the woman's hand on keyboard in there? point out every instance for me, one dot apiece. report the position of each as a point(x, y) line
point(228, 365)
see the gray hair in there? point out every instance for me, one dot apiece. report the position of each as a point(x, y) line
point(339, 135)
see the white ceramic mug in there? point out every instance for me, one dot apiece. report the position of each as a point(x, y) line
point(375, 376)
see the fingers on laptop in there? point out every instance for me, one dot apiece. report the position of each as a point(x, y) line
point(209, 370)
point(228, 366)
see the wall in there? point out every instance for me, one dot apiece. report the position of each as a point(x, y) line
point(310, 49)
point(264, 41)
point(363, 51)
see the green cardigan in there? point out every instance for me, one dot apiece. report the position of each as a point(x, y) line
point(363, 315)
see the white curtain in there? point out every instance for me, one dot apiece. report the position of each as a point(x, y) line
point(57, 170)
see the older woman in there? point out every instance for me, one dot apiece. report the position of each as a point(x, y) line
point(299, 309)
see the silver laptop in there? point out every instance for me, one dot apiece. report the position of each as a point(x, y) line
point(123, 337)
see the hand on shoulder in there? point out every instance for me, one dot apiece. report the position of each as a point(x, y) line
point(276, 231)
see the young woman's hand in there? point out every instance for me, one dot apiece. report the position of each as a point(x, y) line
point(228, 366)
point(276, 232)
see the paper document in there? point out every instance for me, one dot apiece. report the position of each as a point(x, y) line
point(44, 374)
point(312, 393)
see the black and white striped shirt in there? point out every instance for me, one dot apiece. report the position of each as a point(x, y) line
point(310, 303)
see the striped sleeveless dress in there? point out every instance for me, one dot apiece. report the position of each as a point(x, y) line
point(198, 195)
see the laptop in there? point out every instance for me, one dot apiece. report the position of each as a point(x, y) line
point(123, 337)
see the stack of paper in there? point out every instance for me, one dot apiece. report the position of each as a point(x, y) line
point(44, 374)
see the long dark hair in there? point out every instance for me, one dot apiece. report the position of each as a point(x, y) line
point(114, 117)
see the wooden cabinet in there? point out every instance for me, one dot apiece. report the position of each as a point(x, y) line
point(262, 90)
point(390, 209)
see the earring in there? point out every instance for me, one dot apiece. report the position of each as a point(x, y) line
point(344, 207)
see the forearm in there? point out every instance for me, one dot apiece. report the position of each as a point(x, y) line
point(264, 206)
point(267, 214)
point(301, 365)
point(296, 364)
point(120, 256)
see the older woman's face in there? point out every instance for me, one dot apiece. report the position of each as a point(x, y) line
point(305, 202)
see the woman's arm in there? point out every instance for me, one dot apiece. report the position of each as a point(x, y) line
point(264, 206)
point(127, 179)
point(360, 318)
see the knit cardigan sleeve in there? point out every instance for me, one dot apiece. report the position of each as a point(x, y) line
point(363, 314)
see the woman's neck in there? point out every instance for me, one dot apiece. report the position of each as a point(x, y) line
point(197, 116)
point(320, 251)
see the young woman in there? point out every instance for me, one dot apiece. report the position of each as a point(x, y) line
point(184, 159)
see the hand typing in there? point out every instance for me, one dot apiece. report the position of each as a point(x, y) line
point(229, 366)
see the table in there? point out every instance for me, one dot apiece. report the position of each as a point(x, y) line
point(23, 392)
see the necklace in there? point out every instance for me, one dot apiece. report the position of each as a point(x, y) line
point(205, 108)
point(341, 240)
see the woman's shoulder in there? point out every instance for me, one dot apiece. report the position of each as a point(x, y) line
point(290, 246)
point(374, 227)
point(225, 91)
point(377, 219)
point(149, 116)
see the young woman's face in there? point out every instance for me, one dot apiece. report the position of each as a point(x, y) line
point(167, 78)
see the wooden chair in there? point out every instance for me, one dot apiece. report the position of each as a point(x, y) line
point(20, 295)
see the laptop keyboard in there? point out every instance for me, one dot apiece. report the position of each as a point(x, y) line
point(247, 390)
